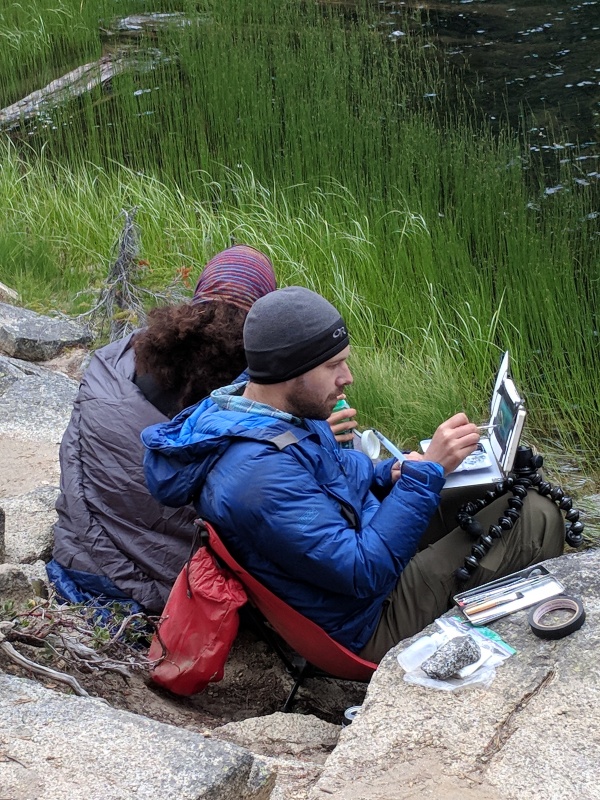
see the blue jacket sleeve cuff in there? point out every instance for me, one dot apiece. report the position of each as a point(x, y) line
point(429, 473)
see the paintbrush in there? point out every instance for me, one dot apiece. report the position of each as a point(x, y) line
point(498, 601)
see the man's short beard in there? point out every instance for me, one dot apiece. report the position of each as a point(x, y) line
point(304, 405)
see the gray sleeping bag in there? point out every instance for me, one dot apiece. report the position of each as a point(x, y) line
point(108, 523)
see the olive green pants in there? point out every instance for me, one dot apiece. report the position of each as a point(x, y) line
point(427, 584)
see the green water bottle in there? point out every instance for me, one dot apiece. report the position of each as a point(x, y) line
point(349, 445)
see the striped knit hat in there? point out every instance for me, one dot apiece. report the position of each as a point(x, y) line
point(238, 276)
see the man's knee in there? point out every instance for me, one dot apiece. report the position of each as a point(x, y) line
point(543, 523)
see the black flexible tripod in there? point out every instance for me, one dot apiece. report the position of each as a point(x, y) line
point(525, 476)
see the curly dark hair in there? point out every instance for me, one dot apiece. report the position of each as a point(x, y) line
point(191, 350)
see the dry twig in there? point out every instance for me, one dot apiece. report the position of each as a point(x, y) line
point(39, 669)
point(121, 300)
point(57, 628)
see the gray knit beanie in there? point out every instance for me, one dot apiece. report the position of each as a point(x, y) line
point(290, 331)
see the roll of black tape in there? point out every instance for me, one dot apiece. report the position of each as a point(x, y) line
point(550, 629)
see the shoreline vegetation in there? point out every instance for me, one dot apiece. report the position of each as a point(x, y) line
point(349, 157)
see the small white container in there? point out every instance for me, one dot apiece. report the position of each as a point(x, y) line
point(349, 715)
point(370, 444)
point(422, 648)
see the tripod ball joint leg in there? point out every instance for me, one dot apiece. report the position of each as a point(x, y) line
point(524, 478)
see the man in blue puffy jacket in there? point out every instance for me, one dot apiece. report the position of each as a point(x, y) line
point(261, 464)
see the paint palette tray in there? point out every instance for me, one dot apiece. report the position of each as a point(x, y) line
point(503, 596)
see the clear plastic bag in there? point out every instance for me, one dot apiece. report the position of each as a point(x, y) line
point(494, 651)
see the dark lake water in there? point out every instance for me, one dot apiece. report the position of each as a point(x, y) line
point(540, 58)
point(535, 64)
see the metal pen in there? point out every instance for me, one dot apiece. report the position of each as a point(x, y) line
point(480, 597)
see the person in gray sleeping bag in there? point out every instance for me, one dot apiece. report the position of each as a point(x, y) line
point(113, 541)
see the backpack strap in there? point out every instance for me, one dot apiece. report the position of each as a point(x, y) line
point(284, 439)
point(287, 438)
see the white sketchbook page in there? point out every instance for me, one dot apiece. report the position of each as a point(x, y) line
point(474, 477)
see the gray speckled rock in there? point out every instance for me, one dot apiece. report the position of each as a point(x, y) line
point(30, 521)
point(2, 540)
point(283, 735)
point(35, 403)
point(22, 580)
point(61, 747)
point(533, 733)
point(452, 656)
point(35, 337)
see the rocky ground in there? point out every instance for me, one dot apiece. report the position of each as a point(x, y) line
point(394, 749)
point(35, 405)
point(255, 683)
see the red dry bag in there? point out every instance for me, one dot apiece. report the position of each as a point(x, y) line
point(197, 627)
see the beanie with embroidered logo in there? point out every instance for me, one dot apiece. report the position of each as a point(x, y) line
point(289, 332)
